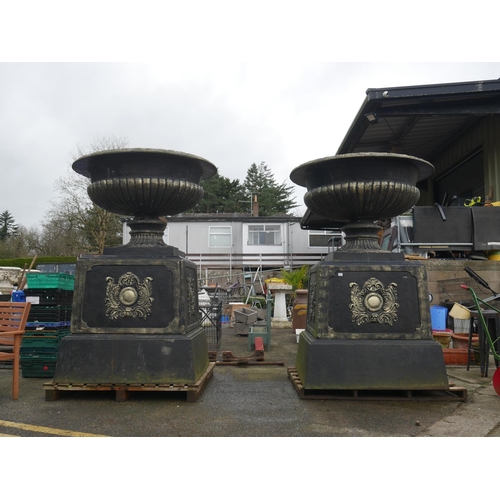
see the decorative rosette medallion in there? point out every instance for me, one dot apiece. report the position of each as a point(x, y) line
point(374, 303)
point(129, 298)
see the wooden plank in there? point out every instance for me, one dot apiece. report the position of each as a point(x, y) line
point(451, 394)
point(51, 395)
point(193, 391)
point(121, 395)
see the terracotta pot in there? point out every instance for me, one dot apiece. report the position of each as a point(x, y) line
point(462, 341)
point(455, 356)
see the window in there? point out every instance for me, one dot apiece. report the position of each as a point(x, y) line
point(324, 239)
point(219, 236)
point(264, 234)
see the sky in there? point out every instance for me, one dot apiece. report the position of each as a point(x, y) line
point(279, 90)
point(232, 114)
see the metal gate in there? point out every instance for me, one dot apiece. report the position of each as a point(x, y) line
point(210, 319)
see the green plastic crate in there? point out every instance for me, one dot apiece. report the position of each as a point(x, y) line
point(62, 281)
point(49, 296)
point(36, 341)
point(49, 314)
point(42, 368)
point(28, 354)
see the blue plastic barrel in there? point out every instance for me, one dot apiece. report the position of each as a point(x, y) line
point(438, 317)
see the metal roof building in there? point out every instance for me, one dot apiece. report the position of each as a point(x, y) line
point(454, 126)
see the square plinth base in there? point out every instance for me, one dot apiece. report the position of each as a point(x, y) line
point(131, 359)
point(360, 364)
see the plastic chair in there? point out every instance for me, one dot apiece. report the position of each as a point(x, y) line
point(13, 318)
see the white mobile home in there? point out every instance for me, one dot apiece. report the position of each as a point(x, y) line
point(234, 243)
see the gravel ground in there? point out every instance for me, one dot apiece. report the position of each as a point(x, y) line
point(249, 400)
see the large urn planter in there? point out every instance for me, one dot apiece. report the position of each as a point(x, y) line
point(146, 184)
point(359, 189)
point(136, 312)
point(368, 321)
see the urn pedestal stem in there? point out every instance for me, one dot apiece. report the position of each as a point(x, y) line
point(146, 232)
point(361, 236)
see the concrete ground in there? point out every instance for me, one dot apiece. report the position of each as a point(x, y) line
point(249, 400)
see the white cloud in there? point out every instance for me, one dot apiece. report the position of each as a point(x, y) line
point(231, 113)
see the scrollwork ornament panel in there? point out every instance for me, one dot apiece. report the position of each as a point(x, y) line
point(129, 297)
point(374, 303)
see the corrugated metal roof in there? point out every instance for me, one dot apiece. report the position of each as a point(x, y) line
point(421, 136)
point(419, 121)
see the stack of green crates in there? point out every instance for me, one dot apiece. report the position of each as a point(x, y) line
point(51, 297)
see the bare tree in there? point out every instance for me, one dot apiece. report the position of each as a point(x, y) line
point(85, 226)
point(61, 236)
point(105, 143)
point(26, 242)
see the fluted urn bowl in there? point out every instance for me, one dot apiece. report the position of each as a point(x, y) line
point(146, 184)
point(144, 181)
point(360, 188)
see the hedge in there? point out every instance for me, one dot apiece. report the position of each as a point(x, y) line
point(21, 261)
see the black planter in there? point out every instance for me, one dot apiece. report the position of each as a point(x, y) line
point(135, 310)
point(368, 317)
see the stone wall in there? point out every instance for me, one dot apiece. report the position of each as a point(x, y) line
point(439, 271)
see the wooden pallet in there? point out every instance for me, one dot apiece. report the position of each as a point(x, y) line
point(122, 391)
point(452, 394)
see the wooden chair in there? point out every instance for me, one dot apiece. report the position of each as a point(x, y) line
point(13, 318)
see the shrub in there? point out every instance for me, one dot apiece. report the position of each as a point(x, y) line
point(298, 278)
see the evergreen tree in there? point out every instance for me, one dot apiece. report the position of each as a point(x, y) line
point(8, 227)
point(221, 195)
point(273, 198)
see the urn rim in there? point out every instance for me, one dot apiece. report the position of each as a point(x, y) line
point(300, 174)
point(82, 164)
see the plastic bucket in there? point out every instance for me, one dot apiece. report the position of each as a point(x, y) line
point(459, 311)
point(438, 317)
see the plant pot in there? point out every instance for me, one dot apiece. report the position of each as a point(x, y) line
point(462, 341)
point(455, 356)
point(443, 337)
